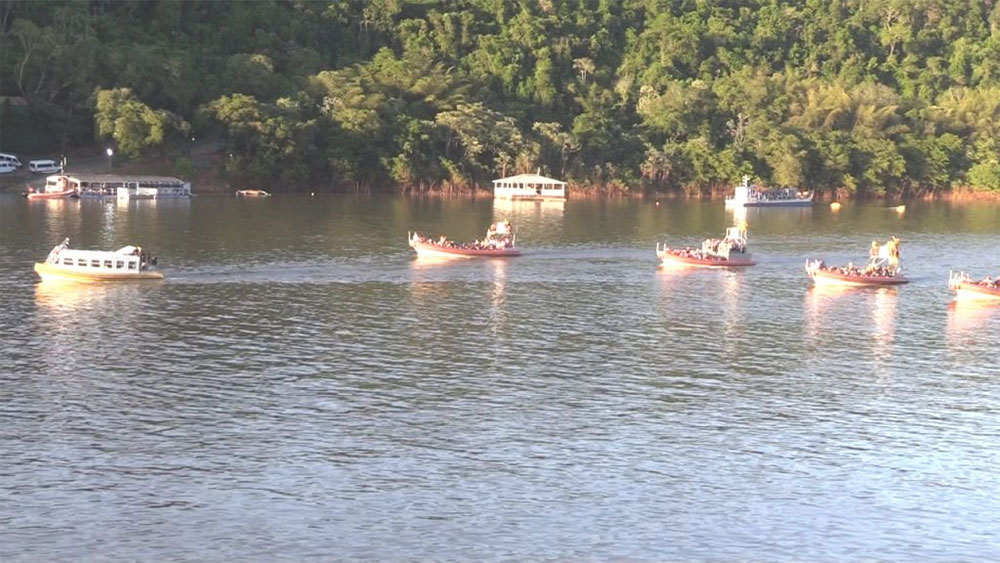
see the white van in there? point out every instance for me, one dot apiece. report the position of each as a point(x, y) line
point(10, 159)
point(44, 166)
point(7, 168)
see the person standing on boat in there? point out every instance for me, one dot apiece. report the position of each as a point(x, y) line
point(893, 246)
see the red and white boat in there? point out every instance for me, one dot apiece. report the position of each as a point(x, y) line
point(730, 252)
point(967, 289)
point(424, 246)
point(59, 189)
point(823, 275)
point(694, 258)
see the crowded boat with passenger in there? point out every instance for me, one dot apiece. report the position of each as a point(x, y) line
point(882, 268)
point(728, 252)
point(966, 288)
point(125, 264)
point(498, 242)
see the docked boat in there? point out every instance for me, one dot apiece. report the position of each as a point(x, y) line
point(966, 288)
point(498, 242)
point(58, 188)
point(125, 264)
point(529, 187)
point(252, 193)
point(729, 252)
point(113, 186)
point(746, 195)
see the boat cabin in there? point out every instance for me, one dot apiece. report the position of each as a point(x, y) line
point(528, 186)
point(123, 187)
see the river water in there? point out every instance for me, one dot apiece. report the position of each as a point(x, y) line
point(301, 387)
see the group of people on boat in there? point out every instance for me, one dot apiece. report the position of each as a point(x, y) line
point(776, 194)
point(499, 236)
point(988, 282)
point(717, 249)
point(883, 262)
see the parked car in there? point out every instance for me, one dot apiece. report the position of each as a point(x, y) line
point(44, 166)
point(10, 159)
point(7, 168)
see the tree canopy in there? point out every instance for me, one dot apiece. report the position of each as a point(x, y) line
point(862, 96)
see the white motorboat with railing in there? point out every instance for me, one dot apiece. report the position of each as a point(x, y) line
point(126, 263)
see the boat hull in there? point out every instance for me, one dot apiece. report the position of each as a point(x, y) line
point(51, 195)
point(434, 250)
point(972, 291)
point(771, 203)
point(675, 260)
point(51, 272)
point(827, 278)
point(252, 193)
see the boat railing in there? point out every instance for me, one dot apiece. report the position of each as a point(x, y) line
point(957, 278)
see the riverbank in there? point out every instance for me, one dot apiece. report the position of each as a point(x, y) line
point(202, 165)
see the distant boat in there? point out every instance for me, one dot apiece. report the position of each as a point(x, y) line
point(529, 186)
point(252, 193)
point(125, 264)
point(745, 195)
point(113, 186)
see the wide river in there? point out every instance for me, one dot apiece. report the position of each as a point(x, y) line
point(301, 387)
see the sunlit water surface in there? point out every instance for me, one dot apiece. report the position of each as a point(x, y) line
point(300, 386)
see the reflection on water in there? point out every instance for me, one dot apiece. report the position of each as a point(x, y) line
point(302, 375)
point(971, 317)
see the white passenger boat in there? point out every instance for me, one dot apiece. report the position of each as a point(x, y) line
point(529, 187)
point(745, 195)
point(125, 264)
point(121, 187)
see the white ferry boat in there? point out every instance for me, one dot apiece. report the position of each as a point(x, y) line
point(125, 264)
point(529, 186)
point(123, 187)
point(745, 195)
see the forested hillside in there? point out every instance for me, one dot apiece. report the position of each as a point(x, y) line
point(860, 96)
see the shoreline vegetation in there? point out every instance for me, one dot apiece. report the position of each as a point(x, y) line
point(665, 98)
point(201, 167)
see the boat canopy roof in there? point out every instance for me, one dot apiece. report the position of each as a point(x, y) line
point(112, 178)
point(528, 180)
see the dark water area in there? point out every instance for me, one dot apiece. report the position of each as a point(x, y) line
point(302, 387)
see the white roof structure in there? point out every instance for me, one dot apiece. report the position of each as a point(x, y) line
point(529, 186)
point(529, 179)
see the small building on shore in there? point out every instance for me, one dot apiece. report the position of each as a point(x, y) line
point(528, 186)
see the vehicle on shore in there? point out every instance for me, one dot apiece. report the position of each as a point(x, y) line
point(125, 264)
point(967, 289)
point(728, 252)
point(44, 166)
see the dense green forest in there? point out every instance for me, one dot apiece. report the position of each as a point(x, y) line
point(865, 97)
